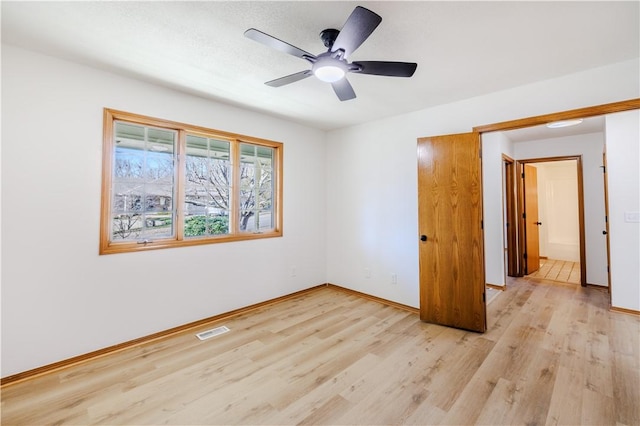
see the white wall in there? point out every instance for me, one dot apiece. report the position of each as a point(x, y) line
point(59, 298)
point(494, 144)
point(558, 210)
point(590, 147)
point(623, 166)
point(372, 174)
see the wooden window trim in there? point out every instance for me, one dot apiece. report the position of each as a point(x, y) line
point(108, 247)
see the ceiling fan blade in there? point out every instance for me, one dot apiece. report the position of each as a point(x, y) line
point(277, 44)
point(289, 79)
point(356, 30)
point(390, 69)
point(343, 89)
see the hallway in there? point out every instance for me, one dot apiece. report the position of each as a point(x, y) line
point(558, 270)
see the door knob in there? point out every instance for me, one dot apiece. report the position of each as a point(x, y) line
point(604, 232)
point(538, 223)
point(423, 238)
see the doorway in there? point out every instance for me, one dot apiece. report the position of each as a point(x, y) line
point(551, 219)
point(431, 271)
point(539, 143)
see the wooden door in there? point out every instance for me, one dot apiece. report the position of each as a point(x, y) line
point(510, 222)
point(452, 278)
point(531, 220)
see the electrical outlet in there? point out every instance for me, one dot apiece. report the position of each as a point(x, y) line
point(394, 279)
point(293, 271)
point(367, 273)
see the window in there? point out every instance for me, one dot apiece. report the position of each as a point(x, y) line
point(168, 184)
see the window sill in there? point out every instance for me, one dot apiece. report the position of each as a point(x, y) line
point(129, 247)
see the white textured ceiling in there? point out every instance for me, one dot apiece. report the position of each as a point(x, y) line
point(463, 49)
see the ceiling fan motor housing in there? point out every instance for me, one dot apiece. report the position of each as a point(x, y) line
point(328, 37)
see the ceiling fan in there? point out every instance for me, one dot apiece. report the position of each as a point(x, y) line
point(332, 65)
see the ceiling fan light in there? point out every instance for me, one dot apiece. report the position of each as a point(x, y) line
point(329, 69)
point(329, 73)
point(564, 123)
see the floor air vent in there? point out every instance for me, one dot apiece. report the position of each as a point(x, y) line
point(212, 333)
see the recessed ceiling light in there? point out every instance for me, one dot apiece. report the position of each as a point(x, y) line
point(564, 123)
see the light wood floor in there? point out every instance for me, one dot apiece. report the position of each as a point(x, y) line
point(558, 270)
point(554, 354)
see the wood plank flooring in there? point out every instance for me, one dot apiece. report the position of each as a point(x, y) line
point(558, 270)
point(491, 294)
point(553, 354)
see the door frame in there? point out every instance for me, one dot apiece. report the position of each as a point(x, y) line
point(521, 233)
point(537, 120)
point(606, 218)
point(509, 211)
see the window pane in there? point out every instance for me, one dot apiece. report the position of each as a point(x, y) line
point(157, 225)
point(129, 163)
point(126, 226)
point(143, 183)
point(129, 132)
point(256, 188)
point(160, 140)
point(206, 225)
point(207, 187)
point(127, 197)
point(158, 198)
point(159, 168)
point(258, 221)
